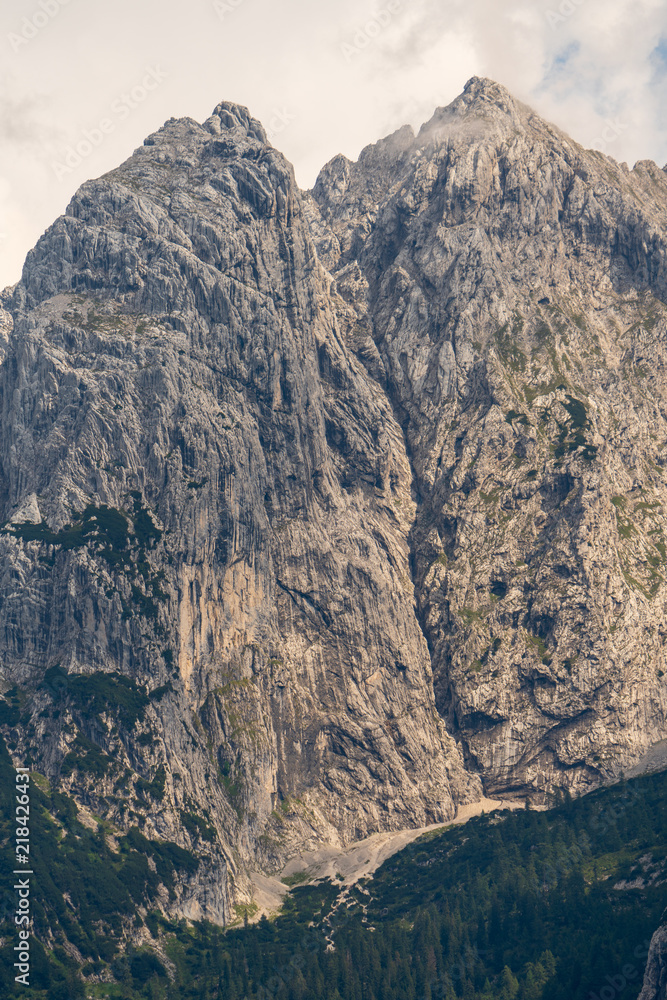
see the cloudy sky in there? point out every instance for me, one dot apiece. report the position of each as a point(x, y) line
point(97, 77)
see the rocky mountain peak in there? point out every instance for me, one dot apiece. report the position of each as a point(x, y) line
point(230, 117)
point(483, 109)
point(482, 90)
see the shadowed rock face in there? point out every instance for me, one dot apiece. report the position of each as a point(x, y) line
point(655, 977)
point(299, 487)
point(509, 289)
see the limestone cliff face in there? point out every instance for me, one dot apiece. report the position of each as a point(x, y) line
point(207, 507)
point(6, 323)
point(321, 509)
point(508, 293)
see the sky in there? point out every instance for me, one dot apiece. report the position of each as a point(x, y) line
point(82, 82)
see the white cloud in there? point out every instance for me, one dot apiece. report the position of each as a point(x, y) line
point(578, 62)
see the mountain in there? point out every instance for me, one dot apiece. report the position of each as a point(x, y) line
point(508, 292)
point(324, 512)
point(207, 510)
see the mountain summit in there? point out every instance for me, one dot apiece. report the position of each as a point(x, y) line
point(324, 512)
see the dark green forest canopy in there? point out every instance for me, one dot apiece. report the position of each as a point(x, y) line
point(528, 905)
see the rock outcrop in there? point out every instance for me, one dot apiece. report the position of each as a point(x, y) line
point(655, 977)
point(6, 323)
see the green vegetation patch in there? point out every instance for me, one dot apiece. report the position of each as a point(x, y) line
point(469, 615)
point(571, 437)
point(577, 411)
point(540, 646)
point(92, 694)
point(155, 788)
point(296, 879)
point(10, 708)
point(87, 758)
point(103, 526)
point(509, 351)
point(516, 416)
point(198, 827)
point(84, 893)
point(122, 539)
